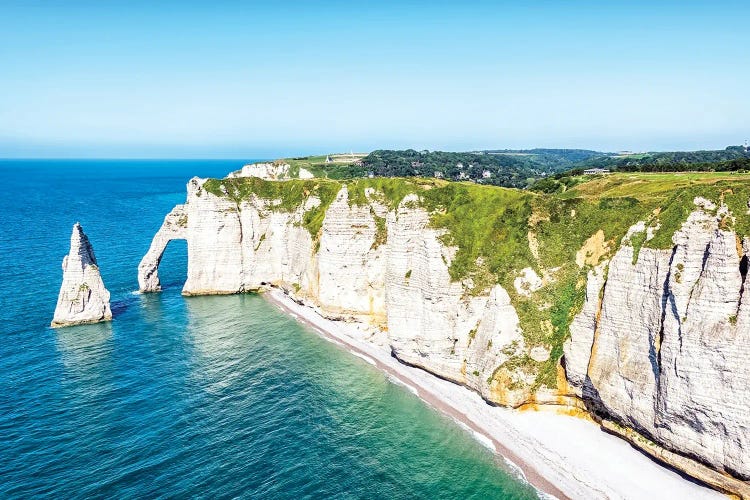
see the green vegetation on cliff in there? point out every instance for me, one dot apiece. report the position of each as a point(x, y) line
point(339, 167)
point(498, 232)
point(285, 196)
point(388, 191)
point(489, 227)
point(671, 195)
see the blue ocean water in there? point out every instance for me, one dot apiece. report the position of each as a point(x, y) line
point(217, 397)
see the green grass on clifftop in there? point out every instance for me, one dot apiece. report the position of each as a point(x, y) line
point(319, 168)
point(498, 232)
point(672, 195)
point(288, 195)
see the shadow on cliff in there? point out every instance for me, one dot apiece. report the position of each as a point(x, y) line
point(592, 400)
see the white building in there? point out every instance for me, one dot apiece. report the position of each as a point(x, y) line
point(596, 171)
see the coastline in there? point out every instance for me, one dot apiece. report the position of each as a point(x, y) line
point(561, 456)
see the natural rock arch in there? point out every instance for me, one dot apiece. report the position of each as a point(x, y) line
point(174, 227)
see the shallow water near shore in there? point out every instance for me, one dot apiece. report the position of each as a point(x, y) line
point(213, 396)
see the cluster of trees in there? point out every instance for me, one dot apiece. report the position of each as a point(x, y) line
point(558, 182)
point(500, 169)
point(706, 166)
point(553, 159)
point(729, 159)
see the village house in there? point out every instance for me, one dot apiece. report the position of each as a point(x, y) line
point(596, 171)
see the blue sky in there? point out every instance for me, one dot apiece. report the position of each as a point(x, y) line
point(246, 79)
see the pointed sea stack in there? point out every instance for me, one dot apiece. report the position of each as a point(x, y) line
point(83, 297)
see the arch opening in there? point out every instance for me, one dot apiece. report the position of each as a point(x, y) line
point(172, 266)
point(173, 228)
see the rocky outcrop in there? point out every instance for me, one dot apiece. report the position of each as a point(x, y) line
point(667, 351)
point(660, 348)
point(703, 405)
point(83, 297)
point(623, 366)
point(271, 171)
point(578, 347)
point(433, 324)
point(235, 247)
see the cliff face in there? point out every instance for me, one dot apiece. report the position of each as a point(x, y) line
point(83, 297)
point(433, 323)
point(660, 344)
point(667, 353)
point(384, 267)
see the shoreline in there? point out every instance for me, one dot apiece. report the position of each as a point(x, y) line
point(559, 455)
point(413, 386)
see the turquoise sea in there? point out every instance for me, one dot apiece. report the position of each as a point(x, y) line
point(213, 397)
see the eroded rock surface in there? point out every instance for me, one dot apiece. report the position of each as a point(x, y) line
point(83, 297)
point(667, 352)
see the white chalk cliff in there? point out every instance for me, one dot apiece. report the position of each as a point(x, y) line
point(270, 171)
point(83, 297)
point(660, 351)
point(665, 350)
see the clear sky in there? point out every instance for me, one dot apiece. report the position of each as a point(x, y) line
point(266, 79)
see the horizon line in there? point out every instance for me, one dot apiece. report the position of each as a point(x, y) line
point(203, 158)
